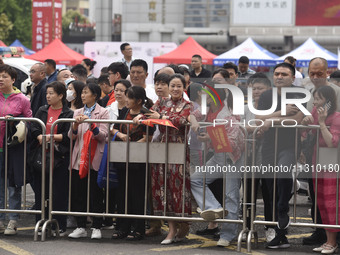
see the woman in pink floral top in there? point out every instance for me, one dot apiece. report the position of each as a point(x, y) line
point(324, 114)
point(177, 110)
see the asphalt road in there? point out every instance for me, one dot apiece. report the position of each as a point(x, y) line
point(23, 243)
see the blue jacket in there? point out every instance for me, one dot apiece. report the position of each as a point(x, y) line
point(52, 77)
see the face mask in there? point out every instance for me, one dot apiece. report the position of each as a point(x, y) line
point(69, 95)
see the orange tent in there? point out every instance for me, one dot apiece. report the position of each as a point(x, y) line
point(59, 52)
point(183, 53)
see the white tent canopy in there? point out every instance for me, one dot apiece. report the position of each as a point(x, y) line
point(258, 56)
point(308, 50)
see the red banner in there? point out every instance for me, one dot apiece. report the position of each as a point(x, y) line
point(46, 22)
point(151, 122)
point(219, 138)
point(317, 13)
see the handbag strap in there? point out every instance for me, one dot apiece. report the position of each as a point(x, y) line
point(114, 136)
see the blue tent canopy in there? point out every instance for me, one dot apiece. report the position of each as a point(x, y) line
point(17, 43)
point(258, 56)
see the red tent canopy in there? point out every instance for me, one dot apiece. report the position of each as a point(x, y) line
point(183, 53)
point(59, 52)
point(2, 44)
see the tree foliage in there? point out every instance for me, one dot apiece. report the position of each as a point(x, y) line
point(19, 13)
point(72, 17)
point(5, 27)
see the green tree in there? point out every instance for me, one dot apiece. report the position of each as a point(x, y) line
point(71, 16)
point(19, 13)
point(5, 27)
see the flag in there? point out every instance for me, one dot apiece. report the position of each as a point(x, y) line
point(219, 138)
point(151, 122)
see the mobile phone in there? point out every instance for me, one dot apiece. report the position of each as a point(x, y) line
point(145, 110)
point(327, 105)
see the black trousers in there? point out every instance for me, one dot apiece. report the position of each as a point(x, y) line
point(136, 197)
point(79, 198)
point(60, 192)
point(284, 184)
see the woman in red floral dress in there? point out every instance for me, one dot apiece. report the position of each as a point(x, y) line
point(177, 110)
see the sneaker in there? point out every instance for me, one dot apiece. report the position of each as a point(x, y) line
point(245, 236)
point(78, 233)
point(212, 214)
point(270, 234)
point(11, 228)
point(61, 233)
point(223, 243)
point(207, 231)
point(318, 237)
point(96, 234)
point(2, 227)
point(107, 226)
point(279, 242)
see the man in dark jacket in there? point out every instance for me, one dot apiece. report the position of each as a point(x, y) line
point(38, 77)
point(51, 71)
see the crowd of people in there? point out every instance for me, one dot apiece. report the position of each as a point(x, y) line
point(121, 93)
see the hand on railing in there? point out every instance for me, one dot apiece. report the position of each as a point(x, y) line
point(137, 119)
point(40, 137)
point(307, 120)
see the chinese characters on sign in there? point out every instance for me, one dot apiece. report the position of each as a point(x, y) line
point(219, 138)
point(263, 12)
point(267, 4)
point(46, 22)
point(152, 11)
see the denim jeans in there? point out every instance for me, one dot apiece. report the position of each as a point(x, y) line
point(232, 196)
point(14, 196)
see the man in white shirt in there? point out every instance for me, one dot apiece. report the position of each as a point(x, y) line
point(298, 76)
point(138, 75)
point(126, 50)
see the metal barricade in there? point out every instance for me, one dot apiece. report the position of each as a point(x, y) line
point(244, 204)
point(130, 152)
point(24, 210)
point(324, 156)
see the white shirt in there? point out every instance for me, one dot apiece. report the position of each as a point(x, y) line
point(298, 79)
point(151, 93)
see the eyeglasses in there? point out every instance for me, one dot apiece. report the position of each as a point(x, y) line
point(32, 71)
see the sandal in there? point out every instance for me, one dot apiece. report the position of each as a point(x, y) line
point(134, 236)
point(118, 234)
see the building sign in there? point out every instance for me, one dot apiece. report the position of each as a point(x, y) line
point(262, 12)
point(327, 13)
point(46, 22)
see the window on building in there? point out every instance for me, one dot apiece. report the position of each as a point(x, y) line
point(204, 13)
point(144, 36)
point(166, 37)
